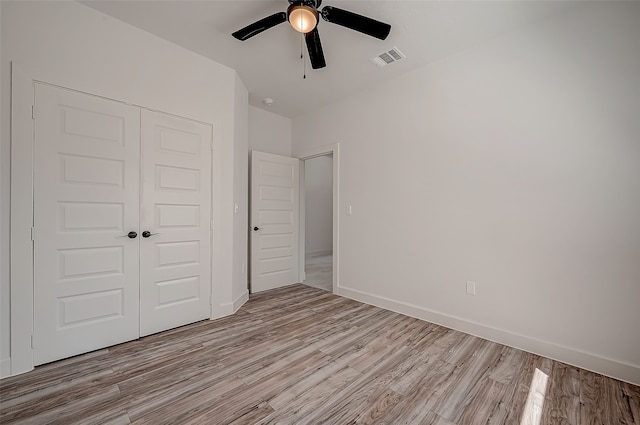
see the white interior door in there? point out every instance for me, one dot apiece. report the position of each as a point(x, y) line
point(275, 189)
point(86, 201)
point(175, 256)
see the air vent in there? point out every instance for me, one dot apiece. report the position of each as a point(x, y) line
point(387, 58)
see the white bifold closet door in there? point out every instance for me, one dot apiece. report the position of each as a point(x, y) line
point(98, 281)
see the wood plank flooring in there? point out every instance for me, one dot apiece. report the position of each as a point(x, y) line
point(300, 355)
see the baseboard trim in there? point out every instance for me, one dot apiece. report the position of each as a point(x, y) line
point(319, 253)
point(227, 309)
point(222, 310)
point(239, 302)
point(612, 368)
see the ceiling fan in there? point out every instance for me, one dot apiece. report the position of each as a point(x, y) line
point(303, 17)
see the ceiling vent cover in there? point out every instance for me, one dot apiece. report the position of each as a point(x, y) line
point(387, 58)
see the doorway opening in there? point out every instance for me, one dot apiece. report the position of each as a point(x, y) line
point(277, 221)
point(318, 219)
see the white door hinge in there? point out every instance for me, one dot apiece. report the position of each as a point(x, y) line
point(33, 233)
point(33, 112)
point(32, 343)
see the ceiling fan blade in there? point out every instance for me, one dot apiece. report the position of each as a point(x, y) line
point(356, 22)
point(316, 56)
point(259, 26)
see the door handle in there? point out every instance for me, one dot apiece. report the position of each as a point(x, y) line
point(147, 233)
point(256, 228)
point(130, 235)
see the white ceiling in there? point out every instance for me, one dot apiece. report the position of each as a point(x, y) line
point(269, 64)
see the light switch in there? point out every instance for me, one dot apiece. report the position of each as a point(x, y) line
point(235, 208)
point(471, 288)
point(348, 210)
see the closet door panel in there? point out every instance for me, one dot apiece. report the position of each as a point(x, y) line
point(175, 254)
point(86, 200)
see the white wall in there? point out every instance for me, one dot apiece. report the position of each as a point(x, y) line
point(240, 292)
point(515, 165)
point(318, 183)
point(269, 132)
point(75, 46)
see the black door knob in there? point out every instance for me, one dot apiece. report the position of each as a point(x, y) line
point(256, 228)
point(146, 234)
point(132, 234)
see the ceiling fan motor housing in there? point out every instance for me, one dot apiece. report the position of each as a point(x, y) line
point(311, 3)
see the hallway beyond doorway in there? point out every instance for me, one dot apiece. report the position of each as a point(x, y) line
point(319, 271)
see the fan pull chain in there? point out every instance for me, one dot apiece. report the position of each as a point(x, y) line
point(304, 63)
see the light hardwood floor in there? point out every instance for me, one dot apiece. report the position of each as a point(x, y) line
point(299, 355)
point(319, 272)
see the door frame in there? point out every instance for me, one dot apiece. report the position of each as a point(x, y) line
point(21, 261)
point(334, 151)
point(21, 199)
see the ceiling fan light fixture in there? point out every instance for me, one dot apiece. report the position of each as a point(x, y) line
point(302, 18)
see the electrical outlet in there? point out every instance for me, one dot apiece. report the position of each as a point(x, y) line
point(471, 288)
